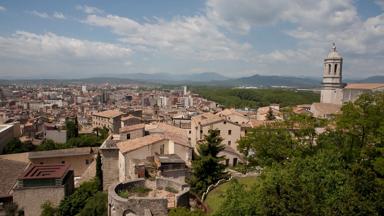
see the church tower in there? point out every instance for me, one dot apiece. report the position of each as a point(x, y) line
point(332, 85)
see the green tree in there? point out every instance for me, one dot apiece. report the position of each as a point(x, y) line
point(73, 204)
point(47, 145)
point(207, 169)
point(96, 205)
point(184, 212)
point(48, 209)
point(266, 145)
point(99, 172)
point(72, 128)
point(16, 146)
point(270, 115)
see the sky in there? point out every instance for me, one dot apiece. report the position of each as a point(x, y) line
point(235, 38)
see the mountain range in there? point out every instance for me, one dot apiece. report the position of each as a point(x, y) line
point(206, 78)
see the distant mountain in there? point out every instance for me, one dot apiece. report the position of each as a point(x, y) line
point(169, 77)
point(269, 81)
point(372, 79)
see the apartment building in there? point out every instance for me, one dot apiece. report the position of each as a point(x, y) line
point(110, 119)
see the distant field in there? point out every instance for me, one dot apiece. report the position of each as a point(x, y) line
point(216, 196)
point(253, 98)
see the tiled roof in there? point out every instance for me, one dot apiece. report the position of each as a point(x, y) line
point(62, 153)
point(206, 118)
point(45, 171)
point(132, 128)
point(326, 108)
point(109, 113)
point(366, 86)
point(133, 144)
point(178, 135)
point(9, 172)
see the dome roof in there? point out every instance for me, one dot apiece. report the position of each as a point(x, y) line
point(334, 54)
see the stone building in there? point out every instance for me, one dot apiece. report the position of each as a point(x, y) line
point(41, 183)
point(230, 132)
point(110, 119)
point(79, 159)
point(163, 194)
point(334, 91)
point(122, 159)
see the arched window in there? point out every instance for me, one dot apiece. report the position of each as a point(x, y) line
point(329, 68)
point(335, 68)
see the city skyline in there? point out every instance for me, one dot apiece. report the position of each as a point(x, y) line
point(73, 39)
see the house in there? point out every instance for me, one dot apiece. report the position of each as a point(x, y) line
point(130, 120)
point(9, 172)
point(78, 159)
point(40, 183)
point(132, 131)
point(229, 131)
point(125, 159)
point(110, 119)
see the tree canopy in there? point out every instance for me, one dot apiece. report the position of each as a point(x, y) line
point(207, 168)
point(339, 172)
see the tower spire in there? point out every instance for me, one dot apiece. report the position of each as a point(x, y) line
point(334, 47)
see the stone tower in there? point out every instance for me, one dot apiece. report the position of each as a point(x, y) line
point(332, 85)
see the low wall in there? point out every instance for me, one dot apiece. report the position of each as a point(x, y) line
point(118, 206)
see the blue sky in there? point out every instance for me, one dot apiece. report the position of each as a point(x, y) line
point(72, 39)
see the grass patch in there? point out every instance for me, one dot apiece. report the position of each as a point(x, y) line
point(216, 196)
point(140, 191)
point(171, 189)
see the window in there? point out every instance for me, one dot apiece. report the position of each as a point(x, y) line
point(63, 162)
point(162, 149)
point(219, 132)
point(87, 162)
point(189, 132)
point(229, 142)
point(225, 122)
point(329, 68)
point(234, 162)
point(226, 162)
point(335, 68)
point(128, 136)
point(229, 132)
point(41, 162)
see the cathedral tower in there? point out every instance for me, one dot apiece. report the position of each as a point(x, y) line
point(332, 85)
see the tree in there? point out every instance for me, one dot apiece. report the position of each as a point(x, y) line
point(99, 172)
point(270, 115)
point(72, 128)
point(47, 145)
point(266, 145)
point(184, 212)
point(207, 169)
point(96, 205)
point(48, 209)
point(73, 204)
point(341, 175)
point(16, 146)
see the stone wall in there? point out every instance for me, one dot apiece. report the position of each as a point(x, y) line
point(31, 199)
point(118, 206)
point(110, 166)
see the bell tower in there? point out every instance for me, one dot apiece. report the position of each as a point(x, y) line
point(332, 85)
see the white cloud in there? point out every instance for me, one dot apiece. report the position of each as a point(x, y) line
point(186, 37)
point(58, 15)
point(89, 9)
point(55, 15)
point(2, 8)
point(51, 46)
point(39, 14)
point(380, 3)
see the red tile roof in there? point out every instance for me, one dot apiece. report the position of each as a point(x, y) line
point(45, 171)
